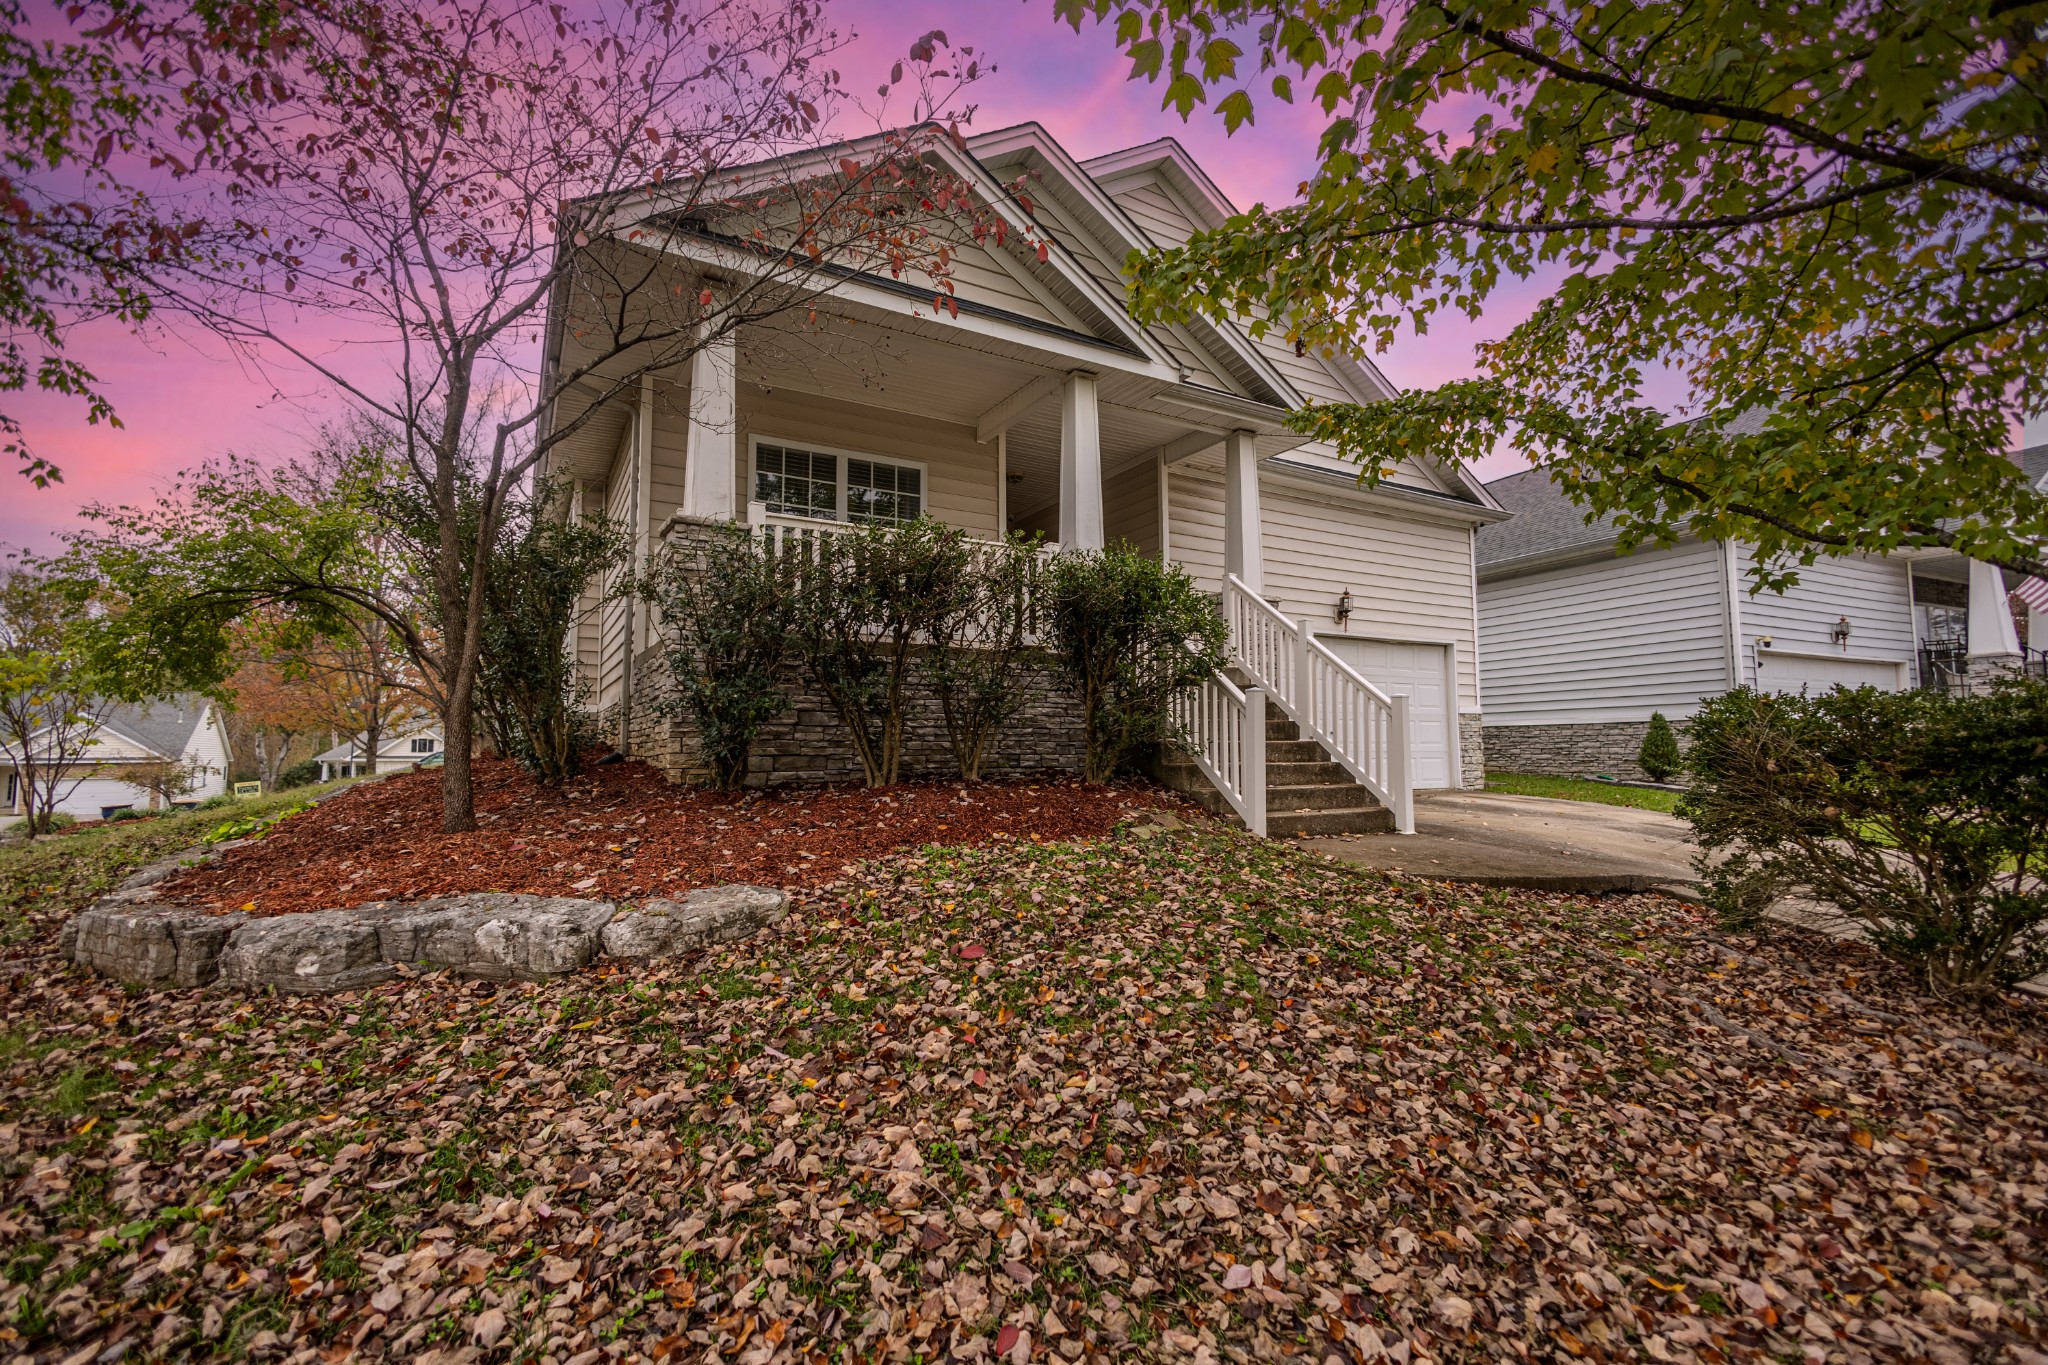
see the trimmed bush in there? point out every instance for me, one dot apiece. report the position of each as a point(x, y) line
point(983, 649)
point(1659, 756)
point(726, 608)
point(865, 599)
point(304, 773)
point(1127, 632)
point(1922, 816)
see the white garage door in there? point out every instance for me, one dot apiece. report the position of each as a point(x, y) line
point(1417, 673)
point(1816, 673)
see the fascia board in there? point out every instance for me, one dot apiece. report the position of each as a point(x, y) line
point(1414, 501)
point(1032, 138)
point(1061, 347)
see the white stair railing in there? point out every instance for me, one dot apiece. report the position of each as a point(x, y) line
point(1361, 726)
point(1224, 731)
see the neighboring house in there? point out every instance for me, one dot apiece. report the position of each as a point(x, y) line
point(187, 729)
point(1042, 406)
point(1579, 645)
point(400, 748)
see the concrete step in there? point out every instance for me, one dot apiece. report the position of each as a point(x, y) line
point(1294, 751)
point(1319, 773)
point(1324, 796)
point(1354, 820)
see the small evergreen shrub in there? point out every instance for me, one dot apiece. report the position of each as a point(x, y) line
point(222, 799)
point(304, 773)
point(1127, 633)
point(1659, 756)
point(726, 608)
point(1922, 816)
point(865, 600)
point(983, 651)
point(129, 813)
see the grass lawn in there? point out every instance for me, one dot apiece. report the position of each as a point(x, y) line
point(1578, 789)
point(1178, 1097)
point(60, 874)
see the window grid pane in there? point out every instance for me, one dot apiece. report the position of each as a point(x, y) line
point(883, 492)
point(798, 483)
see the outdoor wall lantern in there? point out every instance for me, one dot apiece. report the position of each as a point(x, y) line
point(1840, 634)
point(1342, 613)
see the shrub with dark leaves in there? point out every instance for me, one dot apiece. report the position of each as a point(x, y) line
point(1922, 816)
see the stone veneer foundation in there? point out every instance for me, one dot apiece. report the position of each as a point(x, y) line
point(1608, 749)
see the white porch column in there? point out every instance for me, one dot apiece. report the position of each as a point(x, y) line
point(1080, 464)
point(710, 444)
point(1243, 554)
point(1991, 630)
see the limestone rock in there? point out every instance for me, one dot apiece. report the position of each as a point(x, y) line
point(719, 914)
point(497, 937)
point(316, 954)
point(149, 946)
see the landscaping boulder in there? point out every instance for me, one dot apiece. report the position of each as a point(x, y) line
point(496, 937)
point(719, 914)
point(149, 946)
point(316, 954)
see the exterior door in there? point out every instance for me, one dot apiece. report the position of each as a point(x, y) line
point(1419, 673)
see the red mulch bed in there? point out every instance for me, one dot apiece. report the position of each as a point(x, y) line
point(622, 831)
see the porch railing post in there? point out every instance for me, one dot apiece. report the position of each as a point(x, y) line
point(1399, 775)
point(1252, 739)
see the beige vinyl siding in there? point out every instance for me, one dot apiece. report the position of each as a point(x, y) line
point(979, 276)
point(1872, 592)
point(1154, 210)
point(960, 475)
point(1409, 578)
point(1130, 507)
point(1610, 639)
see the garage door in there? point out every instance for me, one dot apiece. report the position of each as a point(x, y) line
point(1417, 673)
point(1816, 673)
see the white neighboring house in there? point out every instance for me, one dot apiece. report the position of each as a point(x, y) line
point(398, 749)
point(186, 729)
point(1041, 405)
point(1579, 644)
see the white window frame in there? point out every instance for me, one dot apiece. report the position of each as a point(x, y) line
point(756, 440)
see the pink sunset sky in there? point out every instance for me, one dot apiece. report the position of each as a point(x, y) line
point(182, 399)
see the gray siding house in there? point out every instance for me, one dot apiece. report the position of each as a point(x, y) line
point(1579, 645)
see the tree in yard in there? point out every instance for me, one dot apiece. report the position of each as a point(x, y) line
point(52, 704)
point(277, 702)
point(1659, 756)
point(1832, 215)
point(165, 780)
point(438, 175)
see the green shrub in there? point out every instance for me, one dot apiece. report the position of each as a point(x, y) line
point(1659, 756)
point(725, 607)
point(131, 813)
point(1922, 816)
point(1127, 633)
point(983, 650)
point(864, 599)
point(304, 773)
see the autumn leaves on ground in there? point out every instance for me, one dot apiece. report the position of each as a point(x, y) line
point(1159, 1095)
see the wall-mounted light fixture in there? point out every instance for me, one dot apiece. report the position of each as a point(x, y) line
point(1342, 612)
point(1840, 633)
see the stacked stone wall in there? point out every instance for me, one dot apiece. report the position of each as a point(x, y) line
point(1607, 749)
point(1472, 750)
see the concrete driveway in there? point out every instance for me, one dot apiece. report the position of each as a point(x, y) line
point(1494, 839)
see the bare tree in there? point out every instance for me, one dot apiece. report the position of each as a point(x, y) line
point(437, 175)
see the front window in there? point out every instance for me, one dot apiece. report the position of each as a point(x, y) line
point(797, 483)
point(883, 492)
point(423, 746)
point(794, 482)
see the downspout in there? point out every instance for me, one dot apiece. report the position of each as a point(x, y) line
point(1731, 580)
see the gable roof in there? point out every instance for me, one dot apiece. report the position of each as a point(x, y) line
point(164, 728)
point(1543, 521)
point(2034, 466)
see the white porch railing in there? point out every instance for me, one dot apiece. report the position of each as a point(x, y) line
point(1362, 727)
point(1224, 731)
